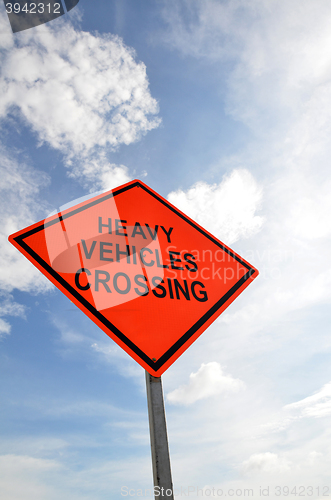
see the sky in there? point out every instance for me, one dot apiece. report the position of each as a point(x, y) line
point(222, 107)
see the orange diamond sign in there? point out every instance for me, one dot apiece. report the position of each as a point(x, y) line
point(143, 271)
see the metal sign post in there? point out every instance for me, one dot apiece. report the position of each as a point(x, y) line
point(159, 440)
point(113, 248)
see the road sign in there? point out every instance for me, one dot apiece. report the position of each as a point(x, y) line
point(143, 271)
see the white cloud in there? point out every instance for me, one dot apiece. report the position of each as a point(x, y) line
point(18, 206)
point(228, 209)
point(108, 350)
point(293, 243)
point(32, 445)
point(208, 381)
point(98, 173)
point(19, 188)
point(266, 462)
point(8, 307)
point(5, 327)
point(11, 308)
point(23, 477)
point(26, 463)
point(317, 405)
point(278, 86)
point(26, 477)
point(110, 353)
point(276, 83)
point(279, 59)
point(207, 23)
point(80, 93)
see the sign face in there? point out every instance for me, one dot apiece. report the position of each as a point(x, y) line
point(144, 272)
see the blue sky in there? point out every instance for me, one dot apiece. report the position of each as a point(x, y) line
point(223, 107)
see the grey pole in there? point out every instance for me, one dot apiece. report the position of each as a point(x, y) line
point(159, 440)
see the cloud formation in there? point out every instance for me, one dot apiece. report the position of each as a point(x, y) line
point(318, 405)
point(277, 85)
point(19, 188)
point(279, 88)
point(278, 61)
point(8, 307)
point(208, 381)
point(80, 93)
point(315, 406)
point(265, 462)
point(228, 209)
point(24, 477)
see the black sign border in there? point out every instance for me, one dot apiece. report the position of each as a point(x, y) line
point(154, 365)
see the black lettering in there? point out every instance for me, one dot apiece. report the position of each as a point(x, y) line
point(101, 225)
point(158, 263)
point(178, 287)
point(156, 282)
point(78, 285)
point(88, 254)
point(103, 281)
point(138, 230)
point(128, 283)
point(104, 250)
point(142, 285)
point(172, 260)
point(148, 264)
point(120, 226)
point(167, 233)
point(186, 257)
point(171, 293)
point(203, 295)
point(119, 253)
point(153, 235)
